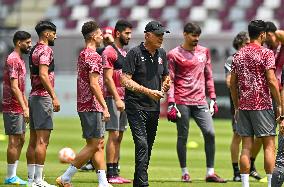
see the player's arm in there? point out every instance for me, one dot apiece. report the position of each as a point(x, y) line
point(20, 98)
point(166, 83)
point(44, 78)
point(274, 89)
point(234, 90)
point(108, 73)
point(171, 97)
point(209, 78)
point(280, 35)
point(97, 92)
point(128, 83)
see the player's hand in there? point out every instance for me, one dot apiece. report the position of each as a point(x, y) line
point(26, 115)
point(106, 115)
point(56, 105)
point(236, 115)
point(281, 127)
point(166, 84)
point(278, 114)
point(155, 94)
point(173, 112)
point(120, 105)
point(213, 107)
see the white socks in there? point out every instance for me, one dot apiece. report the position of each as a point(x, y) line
point(31, 172)
point(69, 173)
point(184, 171)
point(245, 180)
point(12, 169)
point(210, 171)
point(269, 176)
point(38, 172)
point(102, 177)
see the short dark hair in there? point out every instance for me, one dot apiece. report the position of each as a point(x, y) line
point(44, 25)
point(20, 36)
point(88, 28)
point(270, 26)
point(121, 25)
point(255, 28)
point(240, 39)
point(192, 28)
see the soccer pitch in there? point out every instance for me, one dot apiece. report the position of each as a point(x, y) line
point(164, 167)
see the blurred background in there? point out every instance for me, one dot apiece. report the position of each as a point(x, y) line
point(220, 20)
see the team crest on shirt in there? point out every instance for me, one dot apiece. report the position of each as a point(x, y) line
point(160, 60)
point(201, 58)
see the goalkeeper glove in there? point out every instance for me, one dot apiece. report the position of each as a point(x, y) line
point(213, 108)
point(173, 112)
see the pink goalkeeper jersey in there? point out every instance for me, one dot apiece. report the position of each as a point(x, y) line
point(109, 59)
point(250, 64)
point(191, 73)
point(14, 69)
point(89, 61)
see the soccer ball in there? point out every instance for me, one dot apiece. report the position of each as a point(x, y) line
point(66, 155)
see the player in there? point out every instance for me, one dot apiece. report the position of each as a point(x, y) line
point(91, 107)
point(239, 41)
point(42, 102)
point(113, 58)
point(15, 104)
point(254, 65)
point(191, 72)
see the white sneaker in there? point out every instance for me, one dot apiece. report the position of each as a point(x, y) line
point(108, 185)
point(42, 183)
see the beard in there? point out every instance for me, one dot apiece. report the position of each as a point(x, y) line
point(123, 41)
point(51, 42)
point(25, 50)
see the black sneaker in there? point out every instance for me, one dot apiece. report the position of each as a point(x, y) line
point(88, 167)
point(255, 175)
point(237, 178)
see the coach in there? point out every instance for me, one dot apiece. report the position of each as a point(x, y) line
point(145, 72)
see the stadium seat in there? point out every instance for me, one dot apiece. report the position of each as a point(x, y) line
point(196, 2)
point(170, 12)
point(239, 26)
point(53, 12)
point(236, 13)
point(212, 26)
point(272, 4)
point(170, 2)
point(95, 12)
point(79, 12)
point(212, 4)
point(142, 2)
point(139, 13)
point(183, 14)
point(124, 12)
point(110, 12)
point(101, 3)
point(198, 14)
point(3, 11)
point(73, 2)
point(250, 13)
point(155, 13)
point(264, 13)
point(59, 2)
point(244, 3)
point(65, 11)
point(279, 13)
point(230, 3)
point(60, 23)
point(128, 3)
point(183, 4)
point(156, 3)
point(70, 24)
point(226, 25)
point(86, 2)
point(115, 2)
point(175, 25)
point(8, 2)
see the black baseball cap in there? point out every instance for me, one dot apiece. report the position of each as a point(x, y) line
point(155, 27)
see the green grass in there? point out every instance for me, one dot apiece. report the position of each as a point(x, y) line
point(164, 167)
